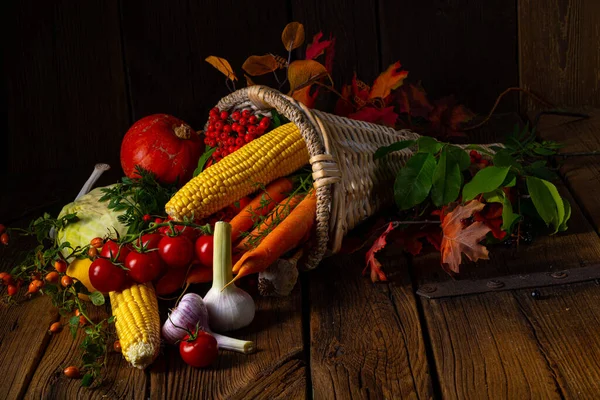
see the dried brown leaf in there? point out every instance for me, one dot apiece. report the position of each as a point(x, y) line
point(293, 36)
point(222, 65)
point(301, 72)
point(260, 65)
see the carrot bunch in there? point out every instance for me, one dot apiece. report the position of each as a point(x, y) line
point(282, 221)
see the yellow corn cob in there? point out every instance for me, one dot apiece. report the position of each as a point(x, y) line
point(137, 323)
point(271, 156)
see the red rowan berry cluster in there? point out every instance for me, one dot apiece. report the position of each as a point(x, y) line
point(229, 132)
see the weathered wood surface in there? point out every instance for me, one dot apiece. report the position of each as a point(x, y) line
point(276, 370)
point(582, 173)
point(559, 55)
point(366, 340)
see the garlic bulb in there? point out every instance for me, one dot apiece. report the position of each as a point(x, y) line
point(229, 308)
point(280, 278)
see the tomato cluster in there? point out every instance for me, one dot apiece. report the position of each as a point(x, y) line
point(153, 257)
point(230, 132)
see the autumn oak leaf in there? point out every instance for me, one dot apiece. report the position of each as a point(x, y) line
point(307, 96)
point(222, 65)
point(316, 48)
point(260, 65)
point(458, 239)
point(390, 79)
point(372, 263)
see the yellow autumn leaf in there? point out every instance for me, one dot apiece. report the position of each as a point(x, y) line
point(301, 72)
point(222, 65)
point(391, 79)
point(260, 65)
point(293, 36)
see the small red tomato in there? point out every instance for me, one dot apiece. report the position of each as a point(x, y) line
point(117, 346)
point(4, 238)
point(60, 266)
point(72, 372)
point(92, 252)
point(82, 320)
point(199, 351)
point(55, 327)
point(176, 251)
point(150, 240)
point(12, 290)
point(106, 276)
point(204, 250)
point(66, 281)
point(111, 250)
point(5, 278)
point(97, 242)
point(33, 288)
point(143, 267)
point(147, 218)
point(171, 281)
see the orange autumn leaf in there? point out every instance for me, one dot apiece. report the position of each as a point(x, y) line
point(458, 239)
point(413, 100)
point(305, 96)
point(373, 264)
point(301, 72)
point(260, 65)
point(293, 36)
point(222, 65)
point(389, 80)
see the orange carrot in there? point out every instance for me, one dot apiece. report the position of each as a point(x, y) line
point(278, 214)
point(275, 191)
point(287, 235)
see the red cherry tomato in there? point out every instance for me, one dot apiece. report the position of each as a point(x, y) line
point(106, 276)
point(199, 352)
point(143, 267)
point(176, 251)
point(170, 282)
point(111, 249)
point(150, 240)
point(204, 250)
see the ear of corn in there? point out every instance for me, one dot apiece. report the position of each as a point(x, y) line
point(271, 156)
point(137, 323)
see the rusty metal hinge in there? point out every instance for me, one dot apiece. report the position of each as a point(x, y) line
point(509, 282)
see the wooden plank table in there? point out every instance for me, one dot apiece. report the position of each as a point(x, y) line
point(340, 336)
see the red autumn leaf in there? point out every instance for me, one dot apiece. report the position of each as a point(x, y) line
point(360, 92)
point(372, 263)
point(412, 99)
point(384, 116)
point(458, 239)
point(316, 48)
point(492, 217)
point(306, 96)
point(389, 80)
point(447, 117)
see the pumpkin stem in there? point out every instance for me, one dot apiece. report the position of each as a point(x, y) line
point(183, 131)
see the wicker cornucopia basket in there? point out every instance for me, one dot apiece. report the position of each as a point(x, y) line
point(350, 185)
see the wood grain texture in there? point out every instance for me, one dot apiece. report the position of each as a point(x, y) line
point(354, 26)
point(559, 54)
point(366, 340)
point(582, 174)
point(166, 44)
point(66, 92)
point(274, 371)
point(457, 47)
point(121, 381)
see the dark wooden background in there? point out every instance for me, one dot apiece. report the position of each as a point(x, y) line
point(78, 73)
